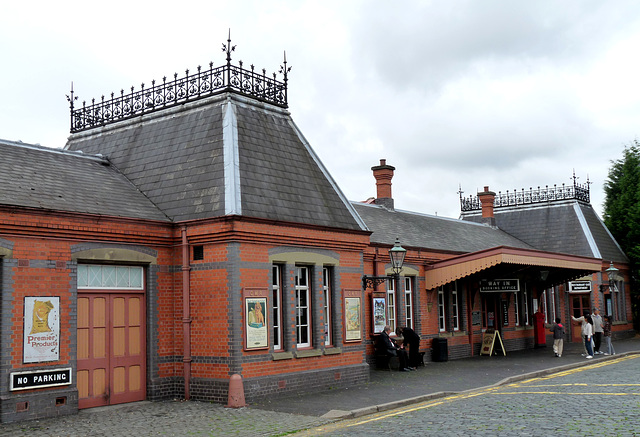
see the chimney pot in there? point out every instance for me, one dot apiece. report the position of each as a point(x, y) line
point(383, 174)
point(487, 199)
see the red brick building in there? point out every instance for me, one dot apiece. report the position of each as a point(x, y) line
point(188, 232)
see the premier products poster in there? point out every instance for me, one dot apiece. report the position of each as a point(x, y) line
point(41, 329)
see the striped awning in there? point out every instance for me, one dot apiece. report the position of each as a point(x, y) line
point(449, 270)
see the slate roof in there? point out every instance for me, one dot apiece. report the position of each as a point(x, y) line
point(432, 232)
point(567, 226)
point(224, 155)
point(40, 177)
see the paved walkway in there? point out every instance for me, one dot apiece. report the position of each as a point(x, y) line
point(284, 415)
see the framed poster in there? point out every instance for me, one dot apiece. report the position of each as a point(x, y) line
point(379, 310)
point(41, 329)
point(255, 320)
point(352, 316)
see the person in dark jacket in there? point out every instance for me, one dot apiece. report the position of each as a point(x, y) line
point(411, 339)
point(558, 337)
point(386, 345)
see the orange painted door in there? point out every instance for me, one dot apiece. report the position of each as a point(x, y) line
point(111, 349)
point(579, 304)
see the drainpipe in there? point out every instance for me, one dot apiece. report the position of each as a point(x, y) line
point(186, 313)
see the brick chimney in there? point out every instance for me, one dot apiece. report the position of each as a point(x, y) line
point(487, 198)
point(383, 174)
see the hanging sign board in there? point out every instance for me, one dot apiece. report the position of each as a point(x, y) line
point(489, 343)
point(499, 285)
point(580, 287)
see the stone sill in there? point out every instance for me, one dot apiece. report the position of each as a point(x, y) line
point(276, 356)
point(308, 353)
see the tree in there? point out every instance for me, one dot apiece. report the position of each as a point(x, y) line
point(622, 211)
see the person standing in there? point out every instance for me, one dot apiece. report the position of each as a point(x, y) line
point(412, 339)
point(588, 333)
point(558, 337)
point(607, 335)
point(597, 330)
point(583, 321)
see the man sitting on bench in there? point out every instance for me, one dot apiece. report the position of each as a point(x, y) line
point(386, 346)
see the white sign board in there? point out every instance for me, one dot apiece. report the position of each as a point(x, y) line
point(580, 287)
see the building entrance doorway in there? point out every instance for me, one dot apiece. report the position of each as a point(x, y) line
point(579, 304)
point(111, 348)
point(492, 313)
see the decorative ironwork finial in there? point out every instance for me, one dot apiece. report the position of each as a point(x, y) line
point(284, 70)
point(71, 98)
point(228, 48)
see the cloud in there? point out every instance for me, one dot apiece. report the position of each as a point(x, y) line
point(459, 93)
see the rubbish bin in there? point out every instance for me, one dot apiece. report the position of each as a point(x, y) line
point(440, 350)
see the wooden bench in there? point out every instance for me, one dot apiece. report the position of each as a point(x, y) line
point(385, 362)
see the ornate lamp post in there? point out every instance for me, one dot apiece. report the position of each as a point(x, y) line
point(613, 275)
point(396, 255)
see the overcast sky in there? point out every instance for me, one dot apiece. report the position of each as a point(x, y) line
point(509, 94)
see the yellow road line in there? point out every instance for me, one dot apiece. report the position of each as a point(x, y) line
point(560, 393)
point(583, 384)
point(481, 392)
point(595, 365)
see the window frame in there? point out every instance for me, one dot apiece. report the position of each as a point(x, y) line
point(455, 308)
point(442, 316)
point(525, 306)
point(391, 304)
point(408, 301)
point(327, 293)
point(110, 277)
point(302, 298)
point(276, 305)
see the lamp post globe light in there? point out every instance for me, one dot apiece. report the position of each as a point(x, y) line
point(396, 255)
point(613, 275)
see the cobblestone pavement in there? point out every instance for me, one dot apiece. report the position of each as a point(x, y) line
point(603, 398)
point(177, 418)
point(283, 416)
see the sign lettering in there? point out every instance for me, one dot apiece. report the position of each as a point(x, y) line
point(580, 287)
point(499, 285)
point(40, 379)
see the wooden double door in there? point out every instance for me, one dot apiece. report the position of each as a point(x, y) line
point(111, 360)
point(579, 304)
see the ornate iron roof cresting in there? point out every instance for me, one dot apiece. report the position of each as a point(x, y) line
point(192, 87)
point(540, 195)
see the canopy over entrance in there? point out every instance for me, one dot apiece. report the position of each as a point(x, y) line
point(547, 267)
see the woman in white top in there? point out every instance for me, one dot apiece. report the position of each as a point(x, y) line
point(587, 331)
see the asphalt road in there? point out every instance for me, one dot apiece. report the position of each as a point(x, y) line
point(599, 399)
